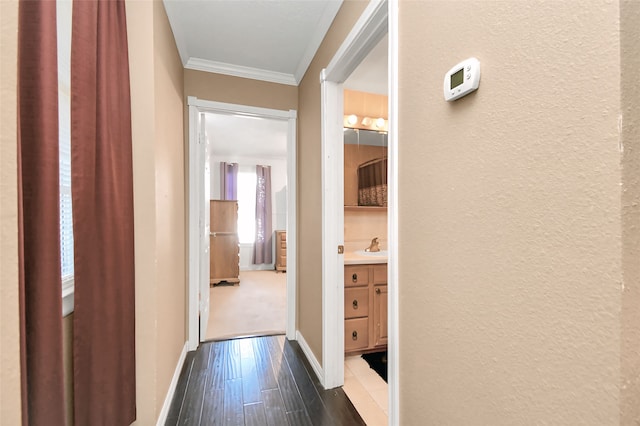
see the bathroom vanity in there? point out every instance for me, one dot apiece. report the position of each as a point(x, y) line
point(365, 304)
point(365, 222)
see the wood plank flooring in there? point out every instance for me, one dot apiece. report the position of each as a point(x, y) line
point(255, 381)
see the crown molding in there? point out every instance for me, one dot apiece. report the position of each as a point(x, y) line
point(240, 71)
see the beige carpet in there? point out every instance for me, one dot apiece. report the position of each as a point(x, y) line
point(257, 306)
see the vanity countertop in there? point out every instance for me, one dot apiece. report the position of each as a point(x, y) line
point(353, 258)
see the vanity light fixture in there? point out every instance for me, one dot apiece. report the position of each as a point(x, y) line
point(353, 121)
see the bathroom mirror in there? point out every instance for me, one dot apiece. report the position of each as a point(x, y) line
point(365, 168)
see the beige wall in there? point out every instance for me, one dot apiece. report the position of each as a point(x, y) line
point(141, 54)
point(362, 225)
point(157, 104)
point(170, 202)
point(510, 215)
point(365, 104)
point(9, 316)
point(241, 91)
point(309, 180)
point(630, 140)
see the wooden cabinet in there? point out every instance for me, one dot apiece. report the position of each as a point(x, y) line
point(224, 253)
point(281, 251)
point(380, 315)
point(365, 308)
point(356, 335)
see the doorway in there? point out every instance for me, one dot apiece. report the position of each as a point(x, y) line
point(248, 296)
point(210, 123)
point(378, 20)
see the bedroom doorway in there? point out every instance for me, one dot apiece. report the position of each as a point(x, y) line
point(248, 160)
point(212, 142)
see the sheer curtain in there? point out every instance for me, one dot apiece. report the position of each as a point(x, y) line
point(262, 246)
point(228, 181)
point(102, 188)
point(39, 275)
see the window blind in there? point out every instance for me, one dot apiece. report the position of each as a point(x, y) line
point(64, 11)
point(66, 217)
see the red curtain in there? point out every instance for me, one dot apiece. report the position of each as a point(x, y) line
point(40, 284)
point(102, 188)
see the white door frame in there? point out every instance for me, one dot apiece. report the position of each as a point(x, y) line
point(197, 106)
point(204, 183)
point(379, 18)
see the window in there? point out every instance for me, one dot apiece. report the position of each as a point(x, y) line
point(246, 205)
point(66, 218)
point(64, 10)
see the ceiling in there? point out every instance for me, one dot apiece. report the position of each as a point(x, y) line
point(268, 40)
point(234, 136)
point(371, 75)
point(272, 40)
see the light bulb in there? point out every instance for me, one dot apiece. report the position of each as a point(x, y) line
point(352, 119)
point(380, 123)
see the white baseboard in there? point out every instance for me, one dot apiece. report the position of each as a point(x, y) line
point(162, 418)
point(317, 368)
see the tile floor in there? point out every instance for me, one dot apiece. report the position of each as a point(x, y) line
point(366, 390)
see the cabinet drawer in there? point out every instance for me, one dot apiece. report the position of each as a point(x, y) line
point(356, 275)
point(356, 302)
point(356, 334)
point(380, 274)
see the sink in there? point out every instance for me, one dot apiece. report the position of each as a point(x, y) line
point(381, 253)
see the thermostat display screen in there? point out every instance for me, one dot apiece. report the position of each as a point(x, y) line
point(457, 78)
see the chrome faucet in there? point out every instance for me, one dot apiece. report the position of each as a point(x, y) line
point(374, 246)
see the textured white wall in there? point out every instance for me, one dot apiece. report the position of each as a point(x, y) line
point(510, 215)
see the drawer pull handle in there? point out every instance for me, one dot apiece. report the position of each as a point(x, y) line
point(354, 278)
point(355, 304)
point(354, 335)
point(377, 291)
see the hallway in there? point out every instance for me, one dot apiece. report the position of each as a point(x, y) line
point(255, 381)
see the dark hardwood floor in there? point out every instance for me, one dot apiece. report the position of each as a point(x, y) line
point(255, 381)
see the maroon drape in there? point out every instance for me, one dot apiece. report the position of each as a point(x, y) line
point(102, 188)
point(39, 217)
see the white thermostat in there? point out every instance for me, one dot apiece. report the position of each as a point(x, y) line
point(462, 79)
